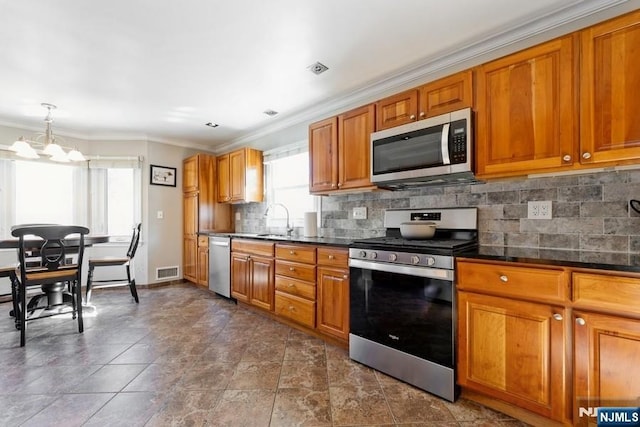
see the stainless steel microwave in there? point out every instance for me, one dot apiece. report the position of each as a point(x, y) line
point(427, 152)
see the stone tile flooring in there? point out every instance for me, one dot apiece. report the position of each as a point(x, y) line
point(187, 357)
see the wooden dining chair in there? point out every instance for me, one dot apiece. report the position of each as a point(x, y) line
point(50, 257)
point(124, 261)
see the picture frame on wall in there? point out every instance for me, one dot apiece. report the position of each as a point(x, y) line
point(163, 175)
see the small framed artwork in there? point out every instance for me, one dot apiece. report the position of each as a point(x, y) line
point(161, 175)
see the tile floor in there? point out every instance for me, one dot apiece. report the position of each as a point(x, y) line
point(186, 357)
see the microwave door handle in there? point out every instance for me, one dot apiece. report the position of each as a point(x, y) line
point(444, 144)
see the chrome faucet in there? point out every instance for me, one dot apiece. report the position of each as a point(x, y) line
point(289, 227)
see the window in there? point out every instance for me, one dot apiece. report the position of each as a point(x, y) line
point(288, 183)
point(105, 196)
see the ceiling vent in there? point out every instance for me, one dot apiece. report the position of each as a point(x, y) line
point(212, 125)
point(317, 68)
point(270, 113)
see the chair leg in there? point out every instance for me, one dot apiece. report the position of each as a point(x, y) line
point(89, 279)
point(132, 285)
point(77, 293)
point(14, 294)
point(23, 315)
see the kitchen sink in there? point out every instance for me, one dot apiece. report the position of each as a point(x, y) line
point(271, 235)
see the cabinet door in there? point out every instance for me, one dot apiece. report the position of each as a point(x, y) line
point(262, 279)
point(190, 258)
point(609, 101)
point(323, 155)
point(190, 174)
point(333, 301)
point(190, 214)
point(526, 112)
point(203, 266)
point(237, 174)
point(397, 110)
point(514, 351)
point(445, 95)
point(354, 151)
point(224, 173)
point(607, 351)
point(240, 277)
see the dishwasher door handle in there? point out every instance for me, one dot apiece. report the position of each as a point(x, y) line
point(218, 243)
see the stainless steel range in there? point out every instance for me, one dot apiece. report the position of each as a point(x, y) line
point(402, 298)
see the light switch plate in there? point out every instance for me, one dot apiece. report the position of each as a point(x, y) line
point(360, 213)
point(160, 215)
point(539, 209)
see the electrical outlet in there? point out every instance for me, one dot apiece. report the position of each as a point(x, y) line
point(160, 215)
point(360, 213)
point(539, 210)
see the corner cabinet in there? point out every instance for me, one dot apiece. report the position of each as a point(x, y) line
point(200, 213)
point(512, 335)
point(240, 176)
point(526, 113)
point(339, 152)
point(610, 81)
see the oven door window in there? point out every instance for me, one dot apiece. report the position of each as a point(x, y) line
point(407, 313)
point(414, 150)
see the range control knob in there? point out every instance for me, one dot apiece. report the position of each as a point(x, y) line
point(373, 255)
point(362, 254)
point(393, 257)
point(415, 259)
point(430, 260)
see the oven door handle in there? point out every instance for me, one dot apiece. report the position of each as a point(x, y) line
point(431, 273)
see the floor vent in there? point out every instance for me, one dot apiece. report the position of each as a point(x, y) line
point(167, 273)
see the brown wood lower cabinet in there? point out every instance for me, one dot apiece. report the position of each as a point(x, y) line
point(513, 350)
point(333, 292)
point(252, 270)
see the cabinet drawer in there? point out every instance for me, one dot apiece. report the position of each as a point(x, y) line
point(296, 287)
point(203, 241)
point(515, 281)
point(298, 253)
point(606, 293)
point(296, 270)
point(256, 247)
point(333, 257)
point(297, 309)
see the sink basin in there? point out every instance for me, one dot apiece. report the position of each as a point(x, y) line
point(276, 236)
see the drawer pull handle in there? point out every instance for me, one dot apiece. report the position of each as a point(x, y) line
point(504, 278)
point(331, 257)
point(345, 277)
point(291, 285)
point(292, 308)
point(557, 316)
point(292, 269)
point(292, 252)
point(580, 321)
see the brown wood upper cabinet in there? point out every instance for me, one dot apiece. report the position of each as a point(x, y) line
point(339, 151)
point(610, 81)
point(240, 177)
point(526, 112)
point(441, 96)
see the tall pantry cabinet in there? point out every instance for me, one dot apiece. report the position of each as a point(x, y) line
point(201, 213)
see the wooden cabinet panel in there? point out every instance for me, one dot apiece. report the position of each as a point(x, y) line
point(190, 258)
point(323, 155)
point(240, 177)
point(607, 351)
point(240, 277)
point(299, 310)
point(297, 253)
point(296, 270)
point(614, 294)
point(190, 214)
point(333, 257)
point(397, 110)
point(508, 279)
point(256, 247)
point(224, 175)
point(514, 351)
point(354, 151)
point(609, 102)
point(237, 175)
point(190, 174)
point(262, 291)
point(333, 301)
point(526, 112)
point(203, 266)
point(296, 287)
point(442, 96)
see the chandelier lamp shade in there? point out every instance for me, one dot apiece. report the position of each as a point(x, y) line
point(48, 142)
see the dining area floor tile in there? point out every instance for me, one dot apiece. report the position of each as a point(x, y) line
point(186, 356)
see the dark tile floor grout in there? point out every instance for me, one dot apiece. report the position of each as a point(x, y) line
point(187, 357)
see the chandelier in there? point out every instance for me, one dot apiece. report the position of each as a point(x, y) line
point(50, 147)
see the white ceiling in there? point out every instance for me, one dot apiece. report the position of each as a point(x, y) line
point(160, 69)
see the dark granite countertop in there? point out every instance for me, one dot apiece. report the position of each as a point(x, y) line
point(329, 241)
point(616, 261)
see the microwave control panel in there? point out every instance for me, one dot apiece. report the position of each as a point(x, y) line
point(458, 138)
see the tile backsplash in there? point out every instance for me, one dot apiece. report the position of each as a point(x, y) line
point(590, 211)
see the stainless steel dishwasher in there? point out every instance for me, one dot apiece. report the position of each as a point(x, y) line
point(220, 265)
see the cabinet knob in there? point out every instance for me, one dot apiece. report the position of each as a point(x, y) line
point(291, 285)
point(339, 184)
point(586, 155)
point(345, 276)
point(422, 114)
point(292, 252)
point(504, 278)
point(292, 269)
point(412, 117)
point(557, 316)
point(566, 158)
point(580, 321)
point(292, 308)
point(331, 257)
point(333, 186)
